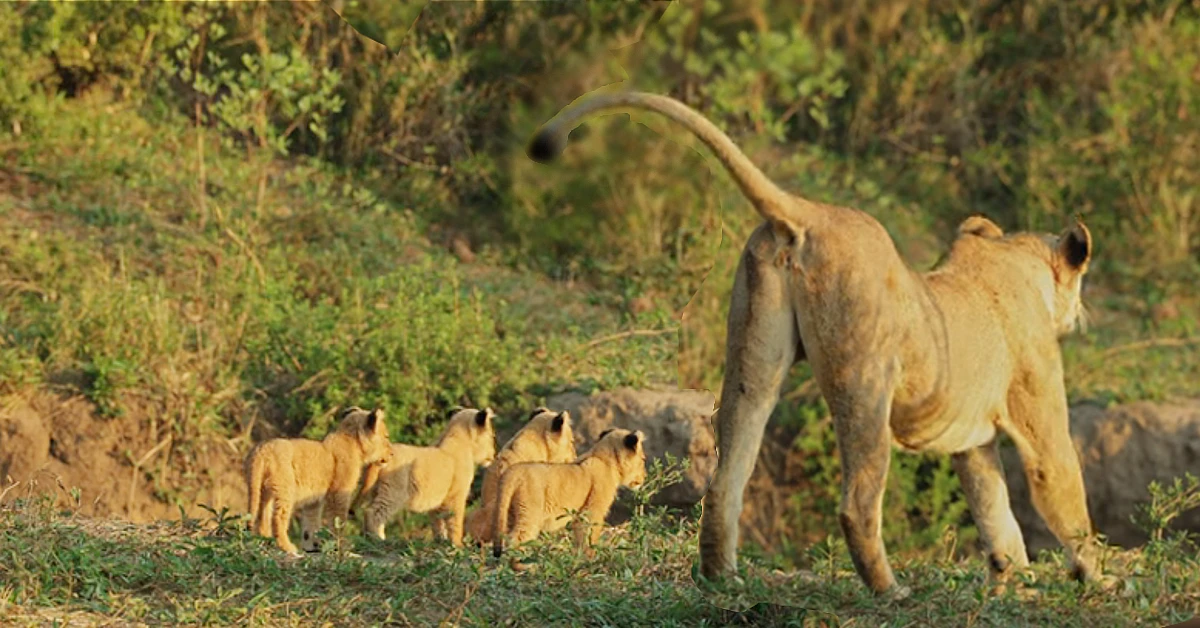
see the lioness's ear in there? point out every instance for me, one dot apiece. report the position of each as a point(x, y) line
point(557, 424)
point(536, 411)
point(1075, 245)
point(981, 226)
point(481, 418)
point(631, 441)
point(372, 420)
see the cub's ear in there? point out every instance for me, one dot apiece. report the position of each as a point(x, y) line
point(1075, 245)
point(348, 411)
point(453, 410)
point(981, 226)
point(536, 411)
point(372, 422)
point(631, 440)
point(481, 418)
point(603, 434)
point(557, 424)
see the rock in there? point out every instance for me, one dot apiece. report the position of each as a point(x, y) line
point(675, 421)
point(24, 441)
point(1121, 450)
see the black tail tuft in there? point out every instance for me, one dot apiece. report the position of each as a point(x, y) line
point(546, 146)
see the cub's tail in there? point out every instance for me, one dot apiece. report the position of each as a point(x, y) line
point(783, 210)
point(256, 472)
point(500, 514)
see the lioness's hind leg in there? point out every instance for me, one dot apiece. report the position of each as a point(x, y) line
point(761, 345)
point(1041, 433)
point(982, 477)
point(861, 409)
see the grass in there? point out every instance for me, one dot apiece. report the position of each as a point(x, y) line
point(211, 571)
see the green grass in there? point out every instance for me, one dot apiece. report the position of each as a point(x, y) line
point(212, 572)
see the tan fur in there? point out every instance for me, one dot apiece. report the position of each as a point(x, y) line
point(311, 478)
point(432, 479)
point(547, 437)
point(537, 496)
point(937, 361)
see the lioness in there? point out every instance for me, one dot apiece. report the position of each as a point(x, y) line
point(537, 496)
point(547, 437)
point(308, 476)
point(432, 479)
point(939, 361)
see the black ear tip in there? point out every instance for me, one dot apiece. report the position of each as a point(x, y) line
point(631, 440)
point(481, 418)
point(557, 424)
point(546, 146)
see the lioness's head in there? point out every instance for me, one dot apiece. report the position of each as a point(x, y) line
point(626, 448)
point(370, 433)
point(554, 429)
point(480, 432)
point(1066, 254)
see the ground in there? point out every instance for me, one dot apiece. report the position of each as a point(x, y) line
point(59, 566)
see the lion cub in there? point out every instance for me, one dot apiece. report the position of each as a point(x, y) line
point(307, 476)
point(432, 479)
point(535, 496)
point(547, 437)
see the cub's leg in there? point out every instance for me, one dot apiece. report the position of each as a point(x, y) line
point(378, 513)
point(476, 524)
point(761, 345)
point(455, 522)
point(861, 407)
point(588, 528)
point(1040, 430)
point(982, 478)
point(263, 518)
point(310, 524)
point(336, 505)
point(526, 517)
point(283, 518)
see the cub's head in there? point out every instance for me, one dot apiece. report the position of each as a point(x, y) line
point(370, 433)
point(480, 432)
point(553, 429)
point(626, 448)
point(1066, 255)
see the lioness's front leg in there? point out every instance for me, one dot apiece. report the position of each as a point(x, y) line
point(762, 343)
point(861, 409)
point(982, 477)
point(1041, 432)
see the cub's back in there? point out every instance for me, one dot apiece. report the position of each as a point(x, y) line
point(413, 467)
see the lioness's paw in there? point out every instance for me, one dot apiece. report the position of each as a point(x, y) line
point(897, 592)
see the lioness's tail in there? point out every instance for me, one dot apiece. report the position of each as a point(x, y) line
point(776, 205)
point(500, 514)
